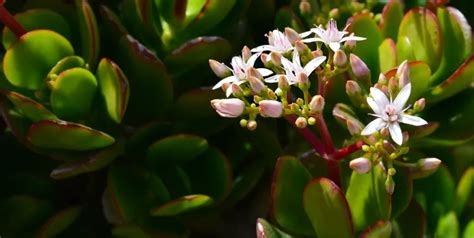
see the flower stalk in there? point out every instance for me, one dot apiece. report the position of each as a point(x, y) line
point(9, 21)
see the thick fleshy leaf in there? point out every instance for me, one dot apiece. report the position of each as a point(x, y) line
point(469, 230)
point(44, 134)
point(363, 25)
point(182, 205)
point(68, 62)
point(457, 82)
point(132, 192)
point(381, 229)
point(141, 13)
point(344, 113)
point(210, 174)
point(72, 93)
point(36, 19)
point(59, 222)
point(245, 181)
point(113, 85)
point(155, 227)
point(176, 149)
point(454, 48)
point(366, 192)
point(27, 62)
point(420, 78)
point(387, 55)
point(266, 230)
point(412, 222)
point(150, 79)
point(466, 29)
point(420, 27)
point(392, 15)
point(448, 226)
point(176, 180)
point(464, 190)
point(327, 208)
point(90, 38)
point(289, 180)
point(403, 192)
point(440, 183)
point(30, 108)
point(95, 161)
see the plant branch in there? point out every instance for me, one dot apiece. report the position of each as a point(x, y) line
point(348, 150)
point(326, 136)
point(10, 22)
point(309, 136)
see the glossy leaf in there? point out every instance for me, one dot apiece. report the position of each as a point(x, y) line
point(392, 15)
point(448, 226)
point(72, 93)
point(469, 230)
point(366, 192)
point(327, 209)
point(420, 78)
point(44, 134)
point(421, 28)
point(59, 222)
point(182, 205)
point(387, 55)
point(68, 62)
point(412, 222)
point(289, 181)
point(90, 38)
point(464, 190)
point(403, 192)
point(176, 149)
point(210, 174)
point(465, 28)
point(114, 87)
point(363, 25)
point(28, 61)
point(36, 19)
point(378, 230)
point(266, 230)
point(176, 180)
point(244, 182)
point(30, 108)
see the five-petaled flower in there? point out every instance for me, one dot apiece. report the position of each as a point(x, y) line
point(278, 42)
point(331, 36)
point(390, 113)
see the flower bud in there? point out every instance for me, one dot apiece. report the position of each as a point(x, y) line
point(359, 68)
point(360, 165)
point(350, 44)
point(382, 79)
point(392, 85)
point(292, 35)
point(340, 58)
point(275, 58)
point(236, 90)
point(429, 164)
point(419, 105)
point(406, 137)
point(354, 127)
point(384, 132)
point(256, 85)
point(317, 53)
point(388, 147)
point(252, 125)
point(403, 74)
point(270, 108)
point(264, 58)
point(302, 80)
point(317, 104)
point(254, 72)
point(231, 107)
point(305, 7)
point(220, 69)
point(353, 88)
point(389, 185)
point(301, 47)
point(334, 13)
point(301, 122)
point(283, 83)
point(311, 121)
point(246, 54)
point(243, 122)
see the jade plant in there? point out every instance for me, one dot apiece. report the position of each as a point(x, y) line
point(386, 79)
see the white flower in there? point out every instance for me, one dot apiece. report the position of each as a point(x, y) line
point(278, 42)
point(270, 108)
point(231, 107)
point(293, 68)
point(331, 36)
point(360, 165)
point(239, 71)
point(390, 113)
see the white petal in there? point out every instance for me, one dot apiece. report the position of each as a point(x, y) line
point(379, 97)
point(272, 79)
point(296, 58)
point(310, 40)
point(229, 79)
point(396, 133)
point(252, 59)
point(374, 106)
point(373, 126)
point(263, 48)
point(265, 72)
point(306, 34)
point(313, 64)
point(412, 120)
point(228, 91)
point(402, 97)
point(354, 38)
point(334, 46)
point(319, 32)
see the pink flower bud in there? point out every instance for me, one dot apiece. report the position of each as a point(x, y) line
point(236, 90)
point(256, 85)
point(350, 44)
point(352, 88)
point(393, 85)
point(270, 108)
point(382, 79)
point(276, 58)
point(360, 165)
point(419, 105)
point(403, 74)
point(231, 107)
point(283, 83)
point(389, 185)
point(292, 35)
point(302, 79)
point(301, 122)
point(252, 72)
point(429, 164)
point(220, 69)
point(300, 47)
point(317, 104)
point(246, 53)
point(354, 127)
point(264, 58)
point(340, 58)
point(358, 66)
point(317, 53)
point(252, 125)
point(305, 7)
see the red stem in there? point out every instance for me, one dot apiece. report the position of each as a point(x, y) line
point(10, 21)
point(309, 136)
point(326, 136)
point(346, 151)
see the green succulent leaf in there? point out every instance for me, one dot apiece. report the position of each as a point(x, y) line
point(289, 180)
point(245, 181)
point(27, 62)
point(469, 230)
point(461, 20)
point(448, 226)
point(36, 19)
point(327, 209)
point(68, 62)
point(366, 192)
point(403, 192)
point(90, 38)
point(266, 230)
point(387, 55)
point(30, 108)
point(420, 78)
point(182, 205)
point(175, 149)
point(59, 222)
point(381, 229)
point(114, 87)
point(464, 190)
point(392, 15)
point(412, 222)
point(421, 29)
point(176, 180)
point(44, 134)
